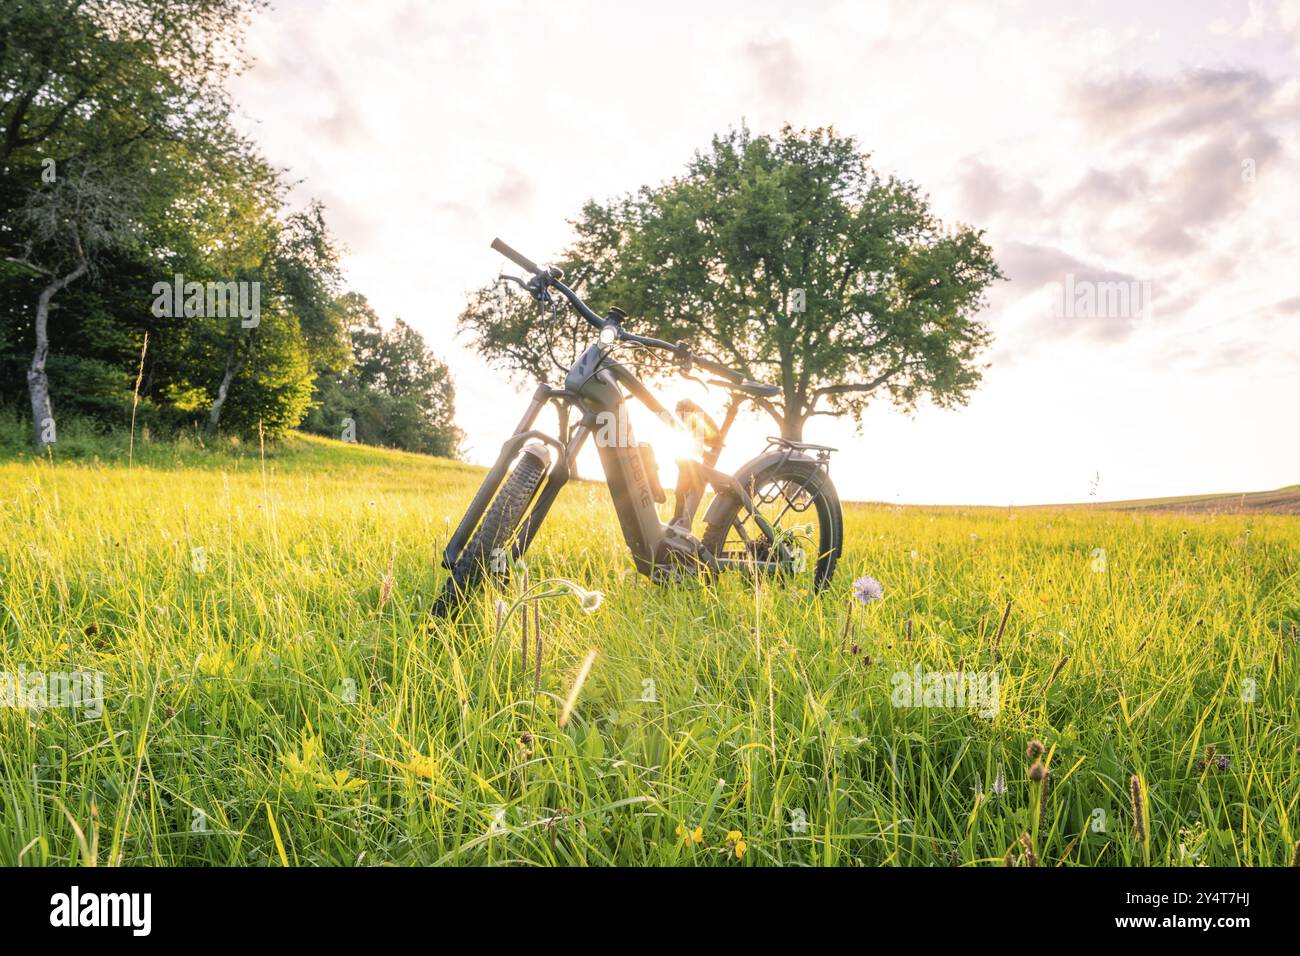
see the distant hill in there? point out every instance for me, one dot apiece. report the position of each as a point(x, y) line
point(1282, 501)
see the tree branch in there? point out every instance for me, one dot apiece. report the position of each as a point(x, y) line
point(30, 265)
point(860, 386)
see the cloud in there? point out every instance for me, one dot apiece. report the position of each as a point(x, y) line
point(1105, 190)
point(1033, 266)
point(986, 192)
point(515, 191)
point(1183, 144)
point(1162, 200)
point(1056, 284)
point(1282, 309)
point(1165, 107)
point(778, 72)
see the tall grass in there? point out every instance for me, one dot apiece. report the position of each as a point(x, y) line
point(275, 692)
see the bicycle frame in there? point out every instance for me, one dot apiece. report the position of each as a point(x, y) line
point(594, 387)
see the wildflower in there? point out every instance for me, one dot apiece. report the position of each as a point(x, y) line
point(1037, 772)
point(342, 781)
point(868, 590)
point(421, 766)
point(1223, 762)
point(999, 783)
point(736, 845)
point(589, 601)
point(1034, 750)
point(690, 836)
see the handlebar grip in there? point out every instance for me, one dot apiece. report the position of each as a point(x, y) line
point(517, 258)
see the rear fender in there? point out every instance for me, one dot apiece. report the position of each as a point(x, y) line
point(749, 473)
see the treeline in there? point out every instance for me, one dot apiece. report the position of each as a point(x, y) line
point(151, 255)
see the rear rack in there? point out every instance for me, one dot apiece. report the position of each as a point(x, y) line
point(821, 452)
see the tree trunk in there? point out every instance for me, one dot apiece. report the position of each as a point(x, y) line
point(38, 386)
point(792, 427)
point(38, 383)
point(233, 366)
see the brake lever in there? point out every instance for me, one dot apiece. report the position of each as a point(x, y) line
point(506, 278)
point(536, 287)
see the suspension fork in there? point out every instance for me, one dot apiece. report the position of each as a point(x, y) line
point(557, 479)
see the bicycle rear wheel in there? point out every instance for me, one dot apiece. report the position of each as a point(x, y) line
point(798, 501)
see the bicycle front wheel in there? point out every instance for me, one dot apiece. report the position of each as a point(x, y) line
point(493, 539)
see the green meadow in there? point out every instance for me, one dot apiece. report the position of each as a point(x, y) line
point(223, 656)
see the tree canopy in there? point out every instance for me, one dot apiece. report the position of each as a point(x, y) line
point(787, 257)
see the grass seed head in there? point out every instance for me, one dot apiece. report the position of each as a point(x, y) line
point(1139, 809)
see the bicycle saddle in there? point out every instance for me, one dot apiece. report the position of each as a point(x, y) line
point(753, 389)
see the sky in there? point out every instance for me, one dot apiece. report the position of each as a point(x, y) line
point(1154, 145)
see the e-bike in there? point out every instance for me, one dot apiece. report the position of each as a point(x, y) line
point(778, 515)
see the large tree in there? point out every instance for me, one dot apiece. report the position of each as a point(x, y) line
point(789, 258)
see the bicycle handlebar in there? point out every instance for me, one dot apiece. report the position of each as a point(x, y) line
point(519, 259)
point(551, 277)
point(681, 353)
